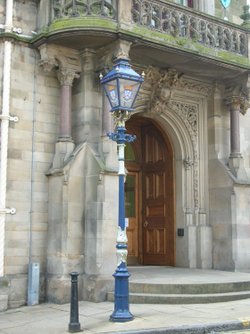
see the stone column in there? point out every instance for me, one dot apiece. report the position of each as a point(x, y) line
point(67, 64)
point(65, 144)
point(235, 128)
point(65, 77)
point(235, 104)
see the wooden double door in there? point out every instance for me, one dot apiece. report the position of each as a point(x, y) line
point(149, 195)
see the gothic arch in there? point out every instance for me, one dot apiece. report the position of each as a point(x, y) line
point(178, 105)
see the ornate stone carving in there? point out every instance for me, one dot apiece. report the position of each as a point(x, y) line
point(188, 113)
point(163, 83)
point(178, 22)
point(195, 86)
point(73, 8)
point(66, 76)
point(48, 64)
point(238, 96)
point(65, 60)
point(240, 103)
point(188, 162)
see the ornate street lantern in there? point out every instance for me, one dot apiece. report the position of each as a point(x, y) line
point(121, 86)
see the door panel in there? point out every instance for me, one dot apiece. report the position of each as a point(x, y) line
point(157, 192)
point(151, 226)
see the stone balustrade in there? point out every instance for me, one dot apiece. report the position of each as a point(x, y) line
point(182, 22)
point(77, 8)
point(161, 16)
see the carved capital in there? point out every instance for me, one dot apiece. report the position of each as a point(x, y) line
point(66, 76)
point(238, 95)
point(65, 60)
point(239, 103)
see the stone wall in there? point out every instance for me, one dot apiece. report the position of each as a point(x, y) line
point(26, 22)
point(34, 100)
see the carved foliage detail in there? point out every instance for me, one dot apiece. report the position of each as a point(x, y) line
point(163, 83)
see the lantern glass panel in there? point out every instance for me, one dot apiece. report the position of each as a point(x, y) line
point(112, 93)
point(128, 91)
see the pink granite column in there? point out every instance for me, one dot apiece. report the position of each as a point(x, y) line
point(66, 78)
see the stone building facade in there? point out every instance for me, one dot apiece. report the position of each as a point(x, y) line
point(188, 172)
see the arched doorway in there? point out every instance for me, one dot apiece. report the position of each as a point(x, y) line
point(149, 191)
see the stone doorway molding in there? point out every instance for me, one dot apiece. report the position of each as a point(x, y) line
point(179, 105)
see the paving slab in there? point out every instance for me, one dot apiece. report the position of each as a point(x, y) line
point(209, 318)
point(94, 318)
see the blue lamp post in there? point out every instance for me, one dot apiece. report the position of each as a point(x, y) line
point(121, 86)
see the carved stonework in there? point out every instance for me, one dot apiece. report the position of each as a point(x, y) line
point(239, 102)
point(160, 94)
point(238, 95)
point(160, 87)
point(65, 60)
point(198, 87)
point(188, 163)
point(48, 64)
point(189, 114)
point(163, 83)
point(66, 76)
point(69, 9)
point(165, 18)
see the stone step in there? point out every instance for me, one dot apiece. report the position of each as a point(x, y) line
point(160, 293)
point(156, 298)
point(198, 288)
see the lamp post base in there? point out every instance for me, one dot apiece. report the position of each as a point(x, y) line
point(121, 309)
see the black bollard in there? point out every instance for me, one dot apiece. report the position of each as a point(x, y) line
point(74, 324)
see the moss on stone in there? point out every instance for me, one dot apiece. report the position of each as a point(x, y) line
point(138, 32)
point(84, 22)
point(189, 45)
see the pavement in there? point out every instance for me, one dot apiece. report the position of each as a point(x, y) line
point(222, 317)
point(151, 319)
